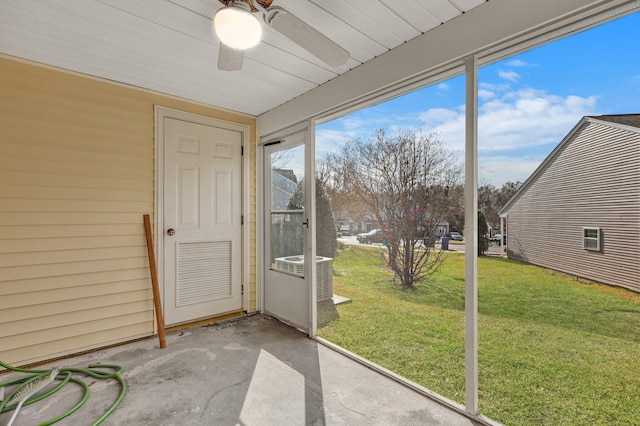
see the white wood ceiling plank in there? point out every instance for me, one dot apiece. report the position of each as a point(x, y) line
point(273, 79)
point(443, 10)
point(372, 18)
point(206, 8)
point(255, 87)
point(248, 95)
point(169, 15)
point(415, 13)
point(107, 27)
point(268, 80)
point(66, 38)
point(84, 36)
point(467, 5)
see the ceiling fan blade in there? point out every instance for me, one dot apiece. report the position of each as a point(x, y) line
point(229, 59)
point(306, 36)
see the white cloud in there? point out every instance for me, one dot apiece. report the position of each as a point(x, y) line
point(437, 115)
point(513, 122)
point(443, 86)
point(497, 170)
point(509, 75)
point(517, 63)
point(330, 140)
point(364, 124)
point(528, 118)
point(493, 87)
point(485, 94)
point(352, 123)
point(521, 119)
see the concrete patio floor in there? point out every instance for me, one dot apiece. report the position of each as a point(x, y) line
point(252, 371)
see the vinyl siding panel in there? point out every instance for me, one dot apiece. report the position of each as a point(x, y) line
point(76, 176)
point(593, 181)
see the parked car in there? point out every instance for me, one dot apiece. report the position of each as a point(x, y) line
point(373, 236)
point(455, 236)
point(344, 231)
point(497, 238)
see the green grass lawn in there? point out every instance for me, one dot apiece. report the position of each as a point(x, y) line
point(552, 350)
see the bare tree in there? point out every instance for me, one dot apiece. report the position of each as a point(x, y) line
point(492, 199)
point(343, 203)
point(405, 181)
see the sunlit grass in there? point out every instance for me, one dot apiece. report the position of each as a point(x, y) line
point(552, 350)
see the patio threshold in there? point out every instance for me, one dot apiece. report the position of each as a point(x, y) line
point(249, 371)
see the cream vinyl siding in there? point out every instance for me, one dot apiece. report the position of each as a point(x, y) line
point(593, 181)
point(76, 176)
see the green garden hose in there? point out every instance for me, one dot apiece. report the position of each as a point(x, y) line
point(26, 387)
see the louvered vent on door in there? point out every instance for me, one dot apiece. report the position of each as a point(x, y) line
point(204, 272)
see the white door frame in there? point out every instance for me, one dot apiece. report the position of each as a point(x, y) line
point(160, 113)
point(310, 249)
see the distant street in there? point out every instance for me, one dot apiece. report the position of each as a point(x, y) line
point(457, 246)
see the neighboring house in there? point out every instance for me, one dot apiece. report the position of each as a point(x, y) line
point(579, 212)
point(283, 186)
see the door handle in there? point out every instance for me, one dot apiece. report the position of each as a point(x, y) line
point(306, 223)
point(171, 231)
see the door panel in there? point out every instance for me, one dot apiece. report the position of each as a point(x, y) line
point(202, 211)
point(286, 289)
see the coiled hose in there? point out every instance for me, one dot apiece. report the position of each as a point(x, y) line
point(25, 385)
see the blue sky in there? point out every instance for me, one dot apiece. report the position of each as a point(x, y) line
point(527, 103)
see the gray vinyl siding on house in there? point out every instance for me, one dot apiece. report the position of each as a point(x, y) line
point(593, 180)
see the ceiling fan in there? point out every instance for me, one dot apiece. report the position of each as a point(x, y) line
point(239, 29)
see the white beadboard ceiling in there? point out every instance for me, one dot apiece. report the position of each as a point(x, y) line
point(169, 45)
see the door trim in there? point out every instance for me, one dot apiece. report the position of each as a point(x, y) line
point(160, 113)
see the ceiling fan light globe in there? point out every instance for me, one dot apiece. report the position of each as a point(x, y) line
point(237, 27)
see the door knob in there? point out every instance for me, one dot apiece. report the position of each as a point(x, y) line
point(171, 231)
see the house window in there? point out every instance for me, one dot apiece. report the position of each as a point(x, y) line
point(591, 239)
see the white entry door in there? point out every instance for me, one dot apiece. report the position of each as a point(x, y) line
point(202, 220)
point(286, 287)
